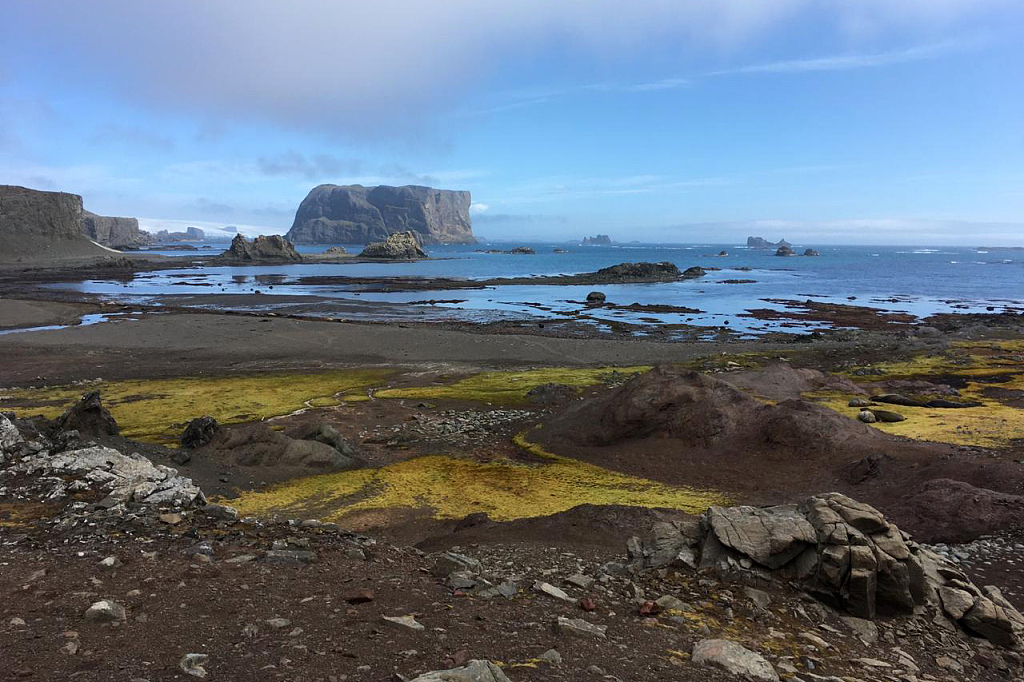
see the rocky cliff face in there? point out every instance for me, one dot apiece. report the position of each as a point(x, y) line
point(354, 214)
point(117, 233)
point(38, 225)
point(261, 249)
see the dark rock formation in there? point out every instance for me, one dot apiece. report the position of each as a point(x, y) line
point(633, 271)
point(264, 248)
point(199, 432)
point(38, 225)
point(762, 243)
point(842, 551)
point(117, 233)
point(597, 240)
point(522, 251)
point(785, 251)
point(551, 394)
point(354, 214)
point(811, 252)
point(596, 298)
point(400, 246)
point(88, 417)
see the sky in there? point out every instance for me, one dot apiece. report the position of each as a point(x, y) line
point(823, 121)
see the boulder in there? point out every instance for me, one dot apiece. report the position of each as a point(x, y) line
point(596, 298)
point(353, 214)
point(10, 439)
point(199, 432)
point(88, 417)
point(258, 445)
point(734, 659)
point(105, 611)
point(474, 671)
point(842, 551)
point(398, 246)
point(551, 394)
point(264, 248)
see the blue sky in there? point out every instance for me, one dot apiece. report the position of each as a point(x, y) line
point(855, 121)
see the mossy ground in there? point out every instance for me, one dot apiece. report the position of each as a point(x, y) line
point(510, 387)
point(981, 365)
point(452, 488)
point(155, 410)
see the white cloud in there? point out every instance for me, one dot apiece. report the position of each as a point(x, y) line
point(478, 207)
point(366, 68)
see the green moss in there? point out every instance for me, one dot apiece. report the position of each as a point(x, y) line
point(453, 488)
point(156, 410)
point(510, 387)
point(993, 424)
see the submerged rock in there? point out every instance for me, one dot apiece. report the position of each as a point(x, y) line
point(398, 246)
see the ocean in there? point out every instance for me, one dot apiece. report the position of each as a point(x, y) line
point(916, 280)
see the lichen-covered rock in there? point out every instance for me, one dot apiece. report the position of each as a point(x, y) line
point(841, 550)
point(399, 246)
point(353, 214)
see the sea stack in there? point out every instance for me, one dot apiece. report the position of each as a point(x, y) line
point(353, 214)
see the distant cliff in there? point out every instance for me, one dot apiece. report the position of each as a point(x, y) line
point(353, 214)
point(117, 233)
point(191, 234)
point(37, 225)
point(597, 240)
point(762, 243)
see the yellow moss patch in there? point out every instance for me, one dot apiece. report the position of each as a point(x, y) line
point(453, 488)
point(155, 410)
point(993, 424)
point(510, 388)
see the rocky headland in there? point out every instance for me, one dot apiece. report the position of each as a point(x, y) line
point(353, 214)
point(36, 225)
point(117, 233)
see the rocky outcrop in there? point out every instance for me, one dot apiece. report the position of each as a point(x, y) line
point(811, 252)
point(88, 417)
point(762, 243)
point(117, 233)
point(256, 444)
point(38, 225)
point(597, 240)
point(785, 250)
point(639, 271)
point(400, 246)
point(842, 551)
point(353, 214)
point(263, 249)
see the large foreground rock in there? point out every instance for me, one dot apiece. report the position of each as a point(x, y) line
point(353, 214)
point(842, 551)
point(264, 248)
point(38, 225)
point(401, 246)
